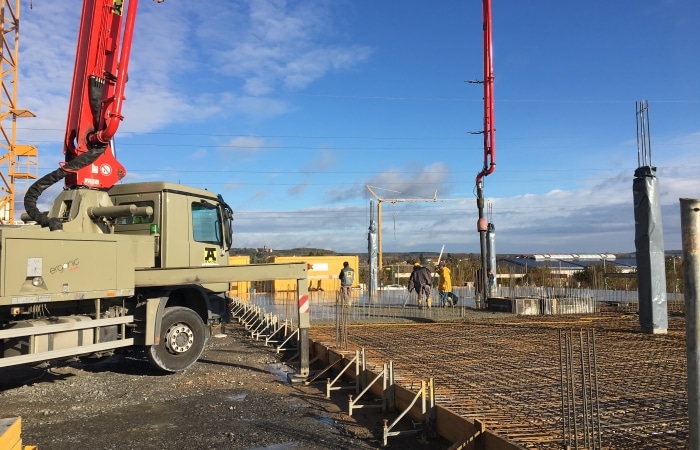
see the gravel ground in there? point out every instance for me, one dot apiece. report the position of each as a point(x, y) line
point(235, 397)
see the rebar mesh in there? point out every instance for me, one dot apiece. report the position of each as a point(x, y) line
point(506, 373)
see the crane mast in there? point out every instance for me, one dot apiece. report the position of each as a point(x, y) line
point(18, 162)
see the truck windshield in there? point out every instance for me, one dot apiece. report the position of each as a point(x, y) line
point(206, 223)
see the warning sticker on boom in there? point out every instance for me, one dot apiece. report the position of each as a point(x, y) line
point(118, 7)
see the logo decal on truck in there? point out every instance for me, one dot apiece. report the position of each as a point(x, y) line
point(70, 265)
point(209, 255)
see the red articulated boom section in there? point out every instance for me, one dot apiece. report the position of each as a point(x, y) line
point(97, 93)
point(489, 127)
point(95, 106)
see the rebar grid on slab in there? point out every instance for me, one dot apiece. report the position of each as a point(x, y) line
point(506, 373)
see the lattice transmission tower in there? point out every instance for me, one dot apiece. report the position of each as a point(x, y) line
point(19, 164)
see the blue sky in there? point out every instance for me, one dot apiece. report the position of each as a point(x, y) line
point(290, 108)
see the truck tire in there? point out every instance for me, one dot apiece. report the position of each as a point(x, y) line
point(182, 338)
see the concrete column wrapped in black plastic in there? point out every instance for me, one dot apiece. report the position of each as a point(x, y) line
point(648, 232)
point(649, 242)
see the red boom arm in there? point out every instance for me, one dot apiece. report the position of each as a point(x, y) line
point(97, 93)
point(489, 127)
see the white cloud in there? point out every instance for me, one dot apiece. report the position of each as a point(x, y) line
point(284, 44)
point(244, 144)
point(189, 62)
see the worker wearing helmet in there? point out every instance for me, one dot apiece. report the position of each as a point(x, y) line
point(447, 298)
point(421, 280)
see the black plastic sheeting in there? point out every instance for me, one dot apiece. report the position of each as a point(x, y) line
point(649, 242)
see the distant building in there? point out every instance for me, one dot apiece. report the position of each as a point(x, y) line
point(239, 289)
point(322, 272)
point(565, 265)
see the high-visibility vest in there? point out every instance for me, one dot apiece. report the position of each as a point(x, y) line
point(348, 276)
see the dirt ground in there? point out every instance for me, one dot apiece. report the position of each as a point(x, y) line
point(236, 397)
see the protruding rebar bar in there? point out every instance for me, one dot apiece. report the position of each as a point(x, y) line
point(690, 236)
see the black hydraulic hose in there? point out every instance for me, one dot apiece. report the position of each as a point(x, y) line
point(48, 180)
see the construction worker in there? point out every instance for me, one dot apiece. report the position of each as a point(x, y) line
point(346, 276)
point(447, 298)
point(422, 281)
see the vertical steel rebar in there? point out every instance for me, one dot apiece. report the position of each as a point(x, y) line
point(690, 235)
point(364, 368)
point(561, 384)
point(597, 391)
point(338, 311)
point(573, 386)
point(648, 130)
point(591, 397)
point(584, 396)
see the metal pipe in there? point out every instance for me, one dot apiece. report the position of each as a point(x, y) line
point(489, 128)
point(482, 228)
point(119, 211)
point(690, 237)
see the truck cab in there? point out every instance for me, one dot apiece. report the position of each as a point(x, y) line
point(203, 240)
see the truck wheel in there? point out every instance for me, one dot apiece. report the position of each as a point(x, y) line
point(182, 338)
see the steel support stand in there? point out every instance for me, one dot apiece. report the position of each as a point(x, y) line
point(352, 403)
point(330, 384)
point(324, 370)
point(281, 346)
point(276, 332)
point(236, 309)
point(262, 325)
point(386, 432)
point(462, 445)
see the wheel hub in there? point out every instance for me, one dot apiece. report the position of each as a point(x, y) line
point(179, 338)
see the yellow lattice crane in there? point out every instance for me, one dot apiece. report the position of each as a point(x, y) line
point(400, 200)
point(18, 163)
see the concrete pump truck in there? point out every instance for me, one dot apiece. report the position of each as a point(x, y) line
point(112, 265)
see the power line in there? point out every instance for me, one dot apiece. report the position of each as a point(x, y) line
point(280, 136)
